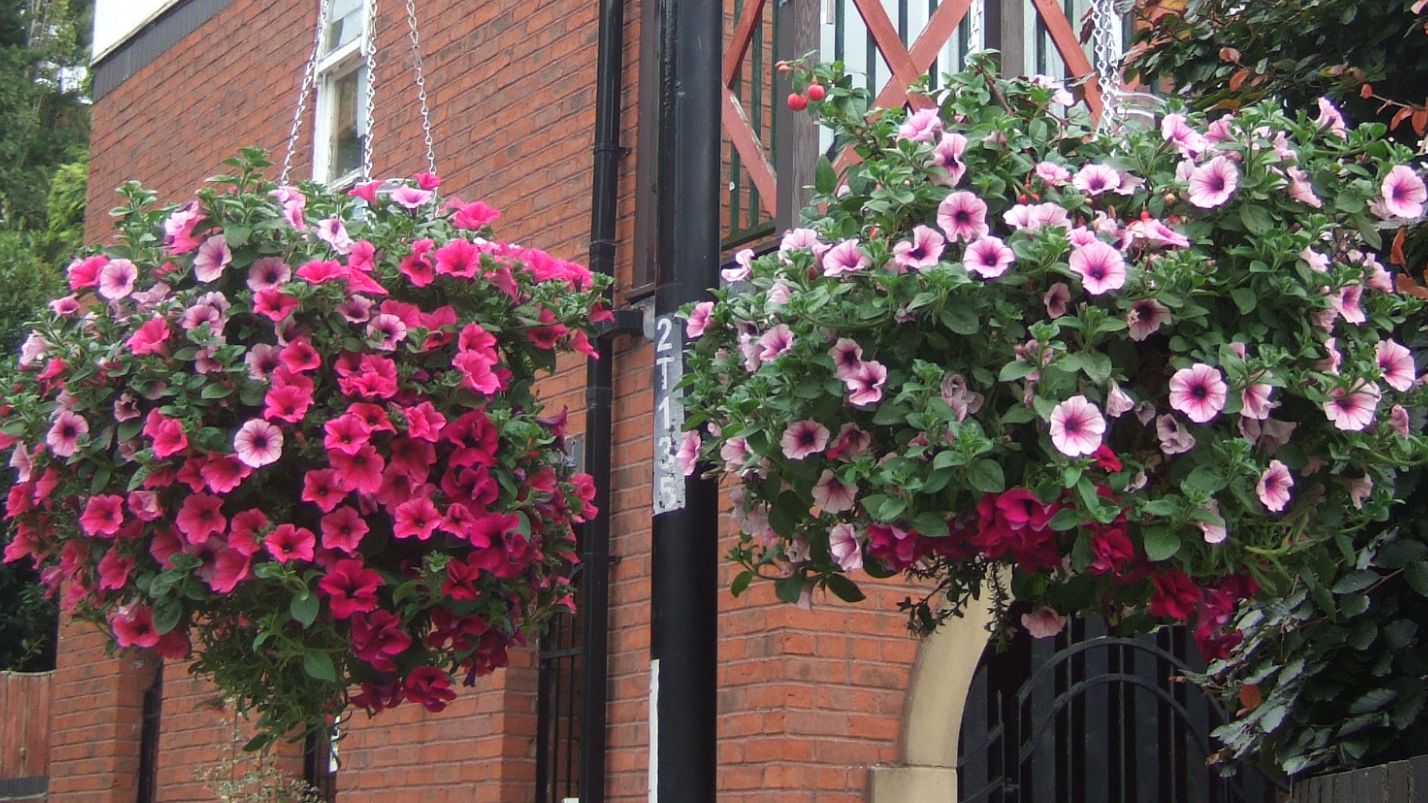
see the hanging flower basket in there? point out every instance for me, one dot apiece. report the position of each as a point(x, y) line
point(293, 433)
point(1144, 375)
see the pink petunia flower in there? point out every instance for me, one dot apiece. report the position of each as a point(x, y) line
point(1346, 303)
point(698, 319)
point(65, 432)
point(258, 443)
point(922, 251)
point(844, 548)
point(116, 279)
point(1118, 402)
point(409, 197)
point(1360, 490)
point(268, 273)
point(923, 125)
point(1255, 402)
point(1403, 194)
point(1094, 179)
point(1212, 527)
point(865, 383)
point(1056, 298)
point(1352, 410)
point(1199, 392)
point(687, 456)
point(294, 203)
point(1330, 118)
point(1399, 419)
point(962, 216)
point(1301, 190)
point(1396, 363)
point(1052, 173)
point(1174, 438)
point(1151, 233)
point(1145, 317)
point(212, 258)
point(988, 257)
point(744, 266)
point(1175, 130)
point(804, 438)
point(1043, 623)
point(948, 156)
point(845, 257)
point(847, 355)
point(1273, 486)
point(1213, 183)
point(831, 494)
point(1077, 427)
point(1100, 267)
point(775, 341)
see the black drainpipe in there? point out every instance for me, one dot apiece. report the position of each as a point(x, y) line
point(599, 395)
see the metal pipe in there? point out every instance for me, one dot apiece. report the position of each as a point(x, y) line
point(684, 627)
point(599, 397)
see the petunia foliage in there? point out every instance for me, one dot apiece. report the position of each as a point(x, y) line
point(1148, 374)
point(291, 433)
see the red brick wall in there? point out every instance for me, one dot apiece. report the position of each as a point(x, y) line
point(807, 700)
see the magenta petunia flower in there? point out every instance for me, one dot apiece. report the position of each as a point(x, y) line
point(343, 529)
point(258, 443)
point(1213, 183)
point(1396, 363)
point(988, 258)
point(289, 542)
point(1094, 179)
point(962, 216)
point(350, 588)
point(1077, 427)
point(116, 279)
point(845, 257)
point(1273, 486)
point(948, 156)
point(922, 251)
point(923, 125)
point(844, 548)
point(1174, 438)
point(201, 517)
point(415, 518)
point(1352, 410)
point(831, 494)
point(698, 319)
point(865, 383)
point(847, 355)
point(1198, 391)
point(222, 473)
point(1100, 266)
point(65, 432)
point(103, 515)
point(1145, 317)
point(1403, 194)
point(804, 438)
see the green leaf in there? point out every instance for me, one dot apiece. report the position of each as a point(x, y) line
point(1160, 508)
point(1416, 575)
point(1353, 582)
point(986, 476)
point(825, 181)
point(947, 459)
point(1373, 700)
point(960, 318)
point(844, 589)
point(1017, 369)
point(1161, 543)
point(1245, 299)
point(929, 524)
point(167, 613)
point(1097, 366)
point(741, 583)
point(1256, 218)
point(318, 664)
point(303, 608)
point(215, 391)
point(789, 589)
point(1205, 478)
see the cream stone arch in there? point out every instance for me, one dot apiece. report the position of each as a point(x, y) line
point(932, 714)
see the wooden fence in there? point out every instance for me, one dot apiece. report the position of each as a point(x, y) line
point(24, 728)
point(1398, 782)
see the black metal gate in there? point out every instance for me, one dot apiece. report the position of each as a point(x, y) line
point(1087, 717)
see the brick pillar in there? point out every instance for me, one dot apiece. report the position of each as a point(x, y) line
point(96, 715)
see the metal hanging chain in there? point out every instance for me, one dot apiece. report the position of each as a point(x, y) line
point(369, 53)
point(1106, 59)
point(309, 77)
point(417, 66)
point(976, 21)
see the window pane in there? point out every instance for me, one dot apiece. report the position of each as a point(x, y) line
point(344, 24)
point(349, 124)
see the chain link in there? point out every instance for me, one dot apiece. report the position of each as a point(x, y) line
point(417, 66)
point(1105, 47)
point(976, 21)
point(369, 53)
point(309, 76)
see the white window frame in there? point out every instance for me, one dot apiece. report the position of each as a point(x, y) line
point(331, 68)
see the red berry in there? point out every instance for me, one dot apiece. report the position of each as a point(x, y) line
point(816, 92)
point(797, 102)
